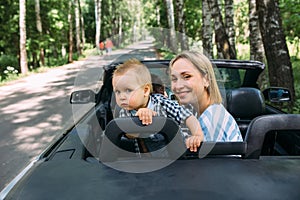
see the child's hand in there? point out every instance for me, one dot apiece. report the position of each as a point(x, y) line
point(193, 142)
point(145, 115)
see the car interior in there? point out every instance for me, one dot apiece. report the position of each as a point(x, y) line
point(244, 101)
point(244, 104)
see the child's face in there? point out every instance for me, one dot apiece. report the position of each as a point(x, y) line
point(130, 95)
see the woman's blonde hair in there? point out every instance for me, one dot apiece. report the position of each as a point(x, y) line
point(141, 72)
point(204, 66)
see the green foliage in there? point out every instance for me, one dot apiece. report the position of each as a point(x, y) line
point(111, 12)
point(241, 19)
point(53, 62)
point(165, 53)
point(156, 13)
point(55, 25)
point(193, 12)
point(296, 108)
point(150, 11)
point(9, 20)
point(8, 60)
point(290, 13)
point(296, 70)
point(89, 21)
point(9, 67)
point(10, 73)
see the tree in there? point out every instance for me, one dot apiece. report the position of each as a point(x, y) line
point(171, 23)
point(229, 23)
point(221, 36)
point(135, 5)
point(255, 40)
point(98, 22)
point(39, 28)
point(256, 44)
point(82, 25)
point(181, 25)
point(70, 21)
point(207, 29)
point(77, 27)
point(23, 52)
point(277, 54)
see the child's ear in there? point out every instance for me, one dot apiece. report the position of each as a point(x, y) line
point(147, 90)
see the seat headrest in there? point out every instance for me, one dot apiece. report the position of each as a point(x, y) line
point(245, 103)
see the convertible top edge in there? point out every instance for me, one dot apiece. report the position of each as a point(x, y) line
point(223, 63)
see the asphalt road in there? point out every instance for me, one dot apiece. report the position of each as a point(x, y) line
point(35, 109)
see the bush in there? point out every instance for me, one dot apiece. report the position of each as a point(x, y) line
point(9, 67)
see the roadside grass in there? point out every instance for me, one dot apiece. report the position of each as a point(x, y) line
point(12, 76)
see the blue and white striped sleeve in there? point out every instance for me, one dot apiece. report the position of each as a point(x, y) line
point(218, 125)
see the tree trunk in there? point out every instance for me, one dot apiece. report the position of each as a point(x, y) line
point(229, 23)
point(277, 54)
point(207, 30)
point(181, 25)
point(70, 21)
point(39, 29)
point(77, 27)
point(221, 37)
point(171, 22)
point(256, 44)
point(120, 37)
point(82, 26)
point(98, 22)
point(22, 23)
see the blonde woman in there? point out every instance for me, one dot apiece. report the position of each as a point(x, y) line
point(194, 84)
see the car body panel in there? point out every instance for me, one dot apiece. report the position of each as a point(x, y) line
point(209, 178)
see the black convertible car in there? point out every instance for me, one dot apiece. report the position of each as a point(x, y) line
point(91, 161)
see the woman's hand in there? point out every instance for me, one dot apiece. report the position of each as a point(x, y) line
point(145, 115)
point(193, 142)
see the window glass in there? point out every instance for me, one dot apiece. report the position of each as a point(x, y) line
point(229, 78)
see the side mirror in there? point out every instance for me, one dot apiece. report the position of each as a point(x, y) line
point(277, 94)
point(82, 97)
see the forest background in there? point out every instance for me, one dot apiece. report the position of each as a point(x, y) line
point(36, 34)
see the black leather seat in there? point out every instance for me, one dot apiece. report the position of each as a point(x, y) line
point(244, 104)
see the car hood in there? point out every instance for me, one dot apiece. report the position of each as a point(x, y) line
point(208, 178)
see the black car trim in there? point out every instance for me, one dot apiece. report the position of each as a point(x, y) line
point(260, 126)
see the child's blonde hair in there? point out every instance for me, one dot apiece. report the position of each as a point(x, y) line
point(141, 72)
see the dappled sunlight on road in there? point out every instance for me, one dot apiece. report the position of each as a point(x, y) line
point(24, 117)
point(35, 109)
point(22, 105)
point(35, 138)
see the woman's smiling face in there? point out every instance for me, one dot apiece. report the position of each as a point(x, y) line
point(187, 82)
